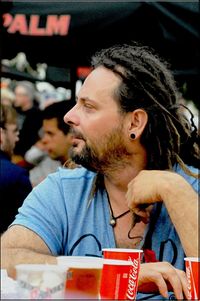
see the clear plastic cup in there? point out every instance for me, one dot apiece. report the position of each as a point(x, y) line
point(83, 276)
point(40, 281)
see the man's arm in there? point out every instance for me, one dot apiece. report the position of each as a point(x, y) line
point(21, 245)
point(180, 200)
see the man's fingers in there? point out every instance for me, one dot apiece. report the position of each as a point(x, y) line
point(152, 282)
point(165, 277)
point(142, 215)
point(173, 278)
point(162, 286)
point(178, 281)
point(184, 282)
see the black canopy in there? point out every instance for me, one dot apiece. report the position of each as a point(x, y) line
point(66, 34)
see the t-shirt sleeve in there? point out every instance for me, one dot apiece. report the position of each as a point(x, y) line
point(44, 212)
point(194, 182)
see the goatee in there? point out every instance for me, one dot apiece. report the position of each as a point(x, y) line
point(108, 153)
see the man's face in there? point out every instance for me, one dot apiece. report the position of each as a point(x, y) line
point(21, 96)
point(55, 141)
point(9, 137)
point(97, 124)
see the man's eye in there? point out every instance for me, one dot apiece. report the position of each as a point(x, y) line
point(88, 106)
point(49, 134)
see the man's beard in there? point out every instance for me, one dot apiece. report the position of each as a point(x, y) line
point(103, 155)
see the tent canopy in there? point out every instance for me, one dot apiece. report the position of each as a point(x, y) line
point(66, 34)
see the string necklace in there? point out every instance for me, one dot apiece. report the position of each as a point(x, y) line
point(113, 219)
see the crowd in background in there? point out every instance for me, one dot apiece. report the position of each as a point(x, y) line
point(37, 145)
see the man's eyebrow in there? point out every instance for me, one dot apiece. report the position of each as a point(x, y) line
point(85, 99)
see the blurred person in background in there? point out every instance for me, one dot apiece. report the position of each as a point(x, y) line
point(29, 120)
point(189, 109)
point(14, 180)
point(55, 142)
point(7, 96)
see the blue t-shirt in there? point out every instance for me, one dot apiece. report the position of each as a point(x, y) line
point(72, 220)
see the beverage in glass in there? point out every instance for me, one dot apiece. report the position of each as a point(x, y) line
point(83, 276)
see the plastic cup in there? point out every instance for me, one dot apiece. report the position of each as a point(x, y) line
point(122, 254)
point(192, 265)
point(117, 281)
point(132, 255)
point(83, 276)
point(40, 281)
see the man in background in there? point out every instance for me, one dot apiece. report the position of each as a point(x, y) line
point(14, 180)
point(29, 120)
point(56, 141)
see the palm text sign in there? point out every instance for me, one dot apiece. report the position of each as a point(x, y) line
point(54, 25)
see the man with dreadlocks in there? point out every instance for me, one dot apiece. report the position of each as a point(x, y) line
point(135, 182)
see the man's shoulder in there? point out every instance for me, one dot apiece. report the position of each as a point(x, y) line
point(69, 178)
point(180, 170)
point(12, 175)
point(190, 179)
point(13, 168)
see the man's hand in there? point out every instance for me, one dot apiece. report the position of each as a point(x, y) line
point(162, 277)
point(179, 197)
point(144, 190)
point(151, 186)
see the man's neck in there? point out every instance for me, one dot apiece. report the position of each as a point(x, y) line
point(63, 160)
point(116, 182)
point(26, 107)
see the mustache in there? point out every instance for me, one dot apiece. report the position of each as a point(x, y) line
point(76, 134)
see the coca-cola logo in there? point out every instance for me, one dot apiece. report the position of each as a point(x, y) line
point(188, 274)
point(133, 279)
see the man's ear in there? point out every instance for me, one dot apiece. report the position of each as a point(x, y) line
point(138, 122)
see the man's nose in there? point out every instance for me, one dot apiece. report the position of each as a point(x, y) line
point(71, 117)
point(45, 139)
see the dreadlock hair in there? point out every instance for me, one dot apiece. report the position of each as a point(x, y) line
point(146, 83)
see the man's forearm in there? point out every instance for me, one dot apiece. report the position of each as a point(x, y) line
point(13, 256)
point(182, 206)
